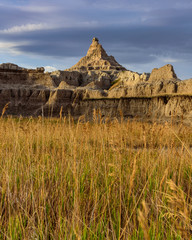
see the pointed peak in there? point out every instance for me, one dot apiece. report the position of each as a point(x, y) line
point(95, 40)
point(96, 49)
point(97, 59)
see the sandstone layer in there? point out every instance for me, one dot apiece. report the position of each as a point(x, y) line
point(97, 59)
point(96, 82)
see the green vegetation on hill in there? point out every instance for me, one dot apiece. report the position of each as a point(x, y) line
point(115, 83)
point(112, 180)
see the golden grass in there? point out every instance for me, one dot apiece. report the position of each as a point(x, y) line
point(112, 180)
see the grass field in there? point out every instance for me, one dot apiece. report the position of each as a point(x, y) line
point(112, 180)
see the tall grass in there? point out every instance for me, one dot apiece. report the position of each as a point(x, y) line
point(112, 180)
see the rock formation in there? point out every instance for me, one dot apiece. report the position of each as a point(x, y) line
point(97, 59)
point(164, 73)
point(9, 66)
point(11, 74)
point(97, 81)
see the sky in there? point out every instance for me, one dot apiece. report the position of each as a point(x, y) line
point(55, 34)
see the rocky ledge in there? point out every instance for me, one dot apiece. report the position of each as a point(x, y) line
point(97, 82)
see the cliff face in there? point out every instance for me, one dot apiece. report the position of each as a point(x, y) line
point(159, 107)
point(51, 102)
point(96, 82)
point(11, 74)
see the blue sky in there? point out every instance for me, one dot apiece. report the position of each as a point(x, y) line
point(140, 34)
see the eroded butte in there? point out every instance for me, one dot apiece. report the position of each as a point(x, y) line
point(96, 82)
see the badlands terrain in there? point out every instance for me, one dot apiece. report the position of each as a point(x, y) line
point(111, 179)
point(96, 82)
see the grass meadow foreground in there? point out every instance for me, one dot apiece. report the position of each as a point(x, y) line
point(112, 180)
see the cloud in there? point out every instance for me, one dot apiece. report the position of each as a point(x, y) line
point(40, 9)
point(135, 32)
point(11, 47)
point(128, 44)
point(50, 69)
point(25, 28)
point(4, 45)
point(171, 60)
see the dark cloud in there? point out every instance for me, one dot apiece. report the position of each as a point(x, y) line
point(128, 44)
point(10, 14)
point(135, 32)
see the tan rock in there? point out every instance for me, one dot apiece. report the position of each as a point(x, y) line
point(93, 94)
point(64, 85)
point(98, 78)
point(185, 87)
point(11, 74)
point(129, 78)
point(73, 78)
point(97, 59)
point(164, 73)
point(40, 69)
point(87, 86)
point(10, 66)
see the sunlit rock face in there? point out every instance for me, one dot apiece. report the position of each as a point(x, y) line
point(97, 59)
point(164, 73)
point(96, 82)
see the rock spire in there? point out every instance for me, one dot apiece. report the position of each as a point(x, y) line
point(97, 59)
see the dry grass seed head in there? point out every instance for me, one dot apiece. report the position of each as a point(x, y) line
point(143, 220)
